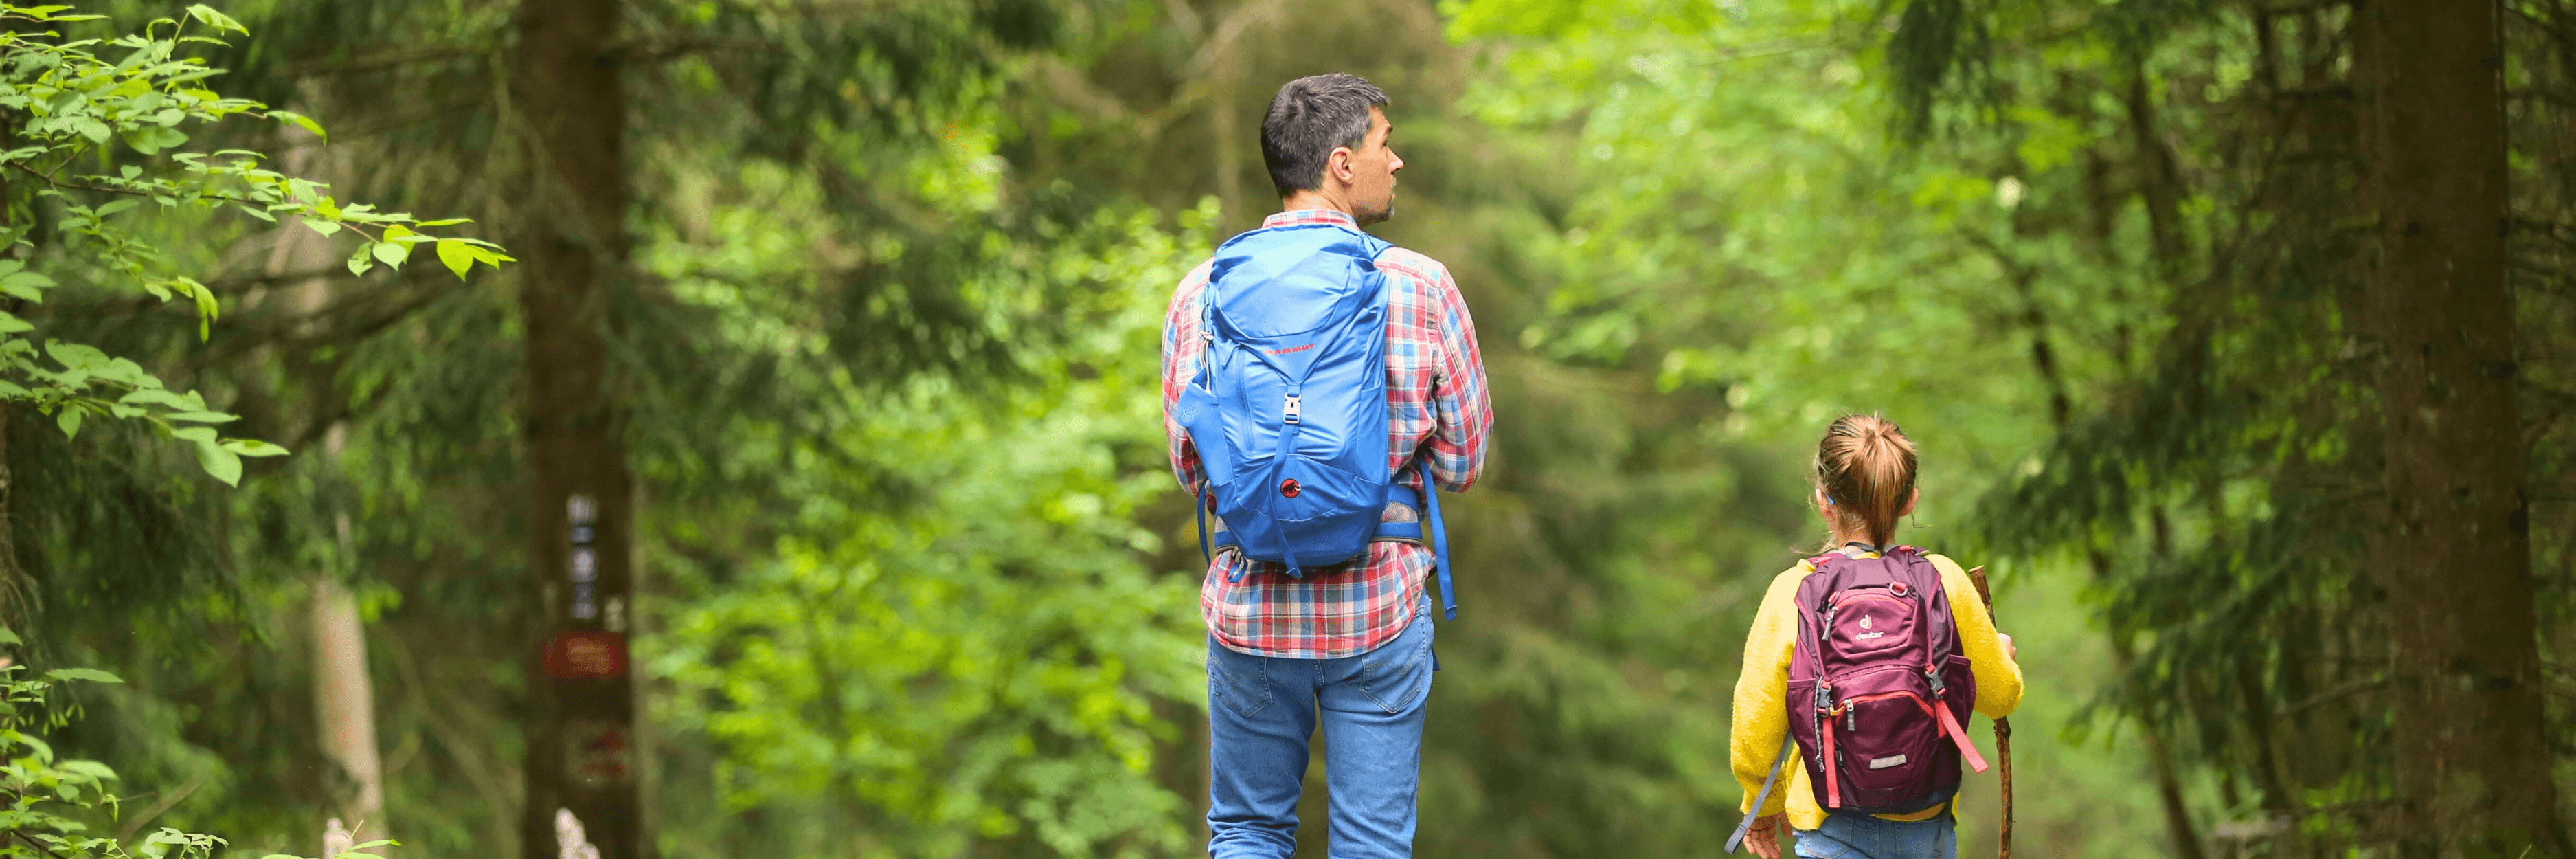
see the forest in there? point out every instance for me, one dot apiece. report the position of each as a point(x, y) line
point(729, 428)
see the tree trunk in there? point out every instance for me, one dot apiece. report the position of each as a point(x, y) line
point(2473, 772)
point(344, 692)
point(344, 698)
point(581, 784)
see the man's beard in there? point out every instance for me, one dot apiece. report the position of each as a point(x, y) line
point(1382, 213)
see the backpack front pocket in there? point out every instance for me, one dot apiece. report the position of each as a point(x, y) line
point(1886, 743)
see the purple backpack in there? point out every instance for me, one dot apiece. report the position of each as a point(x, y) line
point(1878, 684)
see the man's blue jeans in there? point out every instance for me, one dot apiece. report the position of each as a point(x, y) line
point(1263, 710)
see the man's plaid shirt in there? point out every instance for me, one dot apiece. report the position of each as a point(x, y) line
point(1436, 403)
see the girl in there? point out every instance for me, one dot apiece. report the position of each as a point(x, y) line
point(1864, 483)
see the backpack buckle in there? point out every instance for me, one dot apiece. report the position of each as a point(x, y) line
point(1289, 411)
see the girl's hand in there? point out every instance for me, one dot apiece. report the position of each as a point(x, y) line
point(1765, 837)
point(2010, 652)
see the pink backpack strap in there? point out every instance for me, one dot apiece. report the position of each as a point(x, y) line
point(1950, 726)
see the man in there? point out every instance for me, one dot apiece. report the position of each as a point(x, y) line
point(1345, 646)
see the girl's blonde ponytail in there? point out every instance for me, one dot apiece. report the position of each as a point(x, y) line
point(1865, 466)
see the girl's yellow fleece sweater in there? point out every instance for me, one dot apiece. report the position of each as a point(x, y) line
point(1761, 708)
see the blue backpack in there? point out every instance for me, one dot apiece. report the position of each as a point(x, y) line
point(1288, 410)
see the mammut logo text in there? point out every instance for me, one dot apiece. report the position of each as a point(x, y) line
point(1292, 349)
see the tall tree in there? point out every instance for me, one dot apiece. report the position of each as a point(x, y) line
point(581, 733)
point(2473, 769)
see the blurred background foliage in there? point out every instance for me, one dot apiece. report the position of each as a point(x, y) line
point(915, 580)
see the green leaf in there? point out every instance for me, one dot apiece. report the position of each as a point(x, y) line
point(44, 751)
point(76, 356)
point(70, 420)
point(11, 324)
point(207, 309)
point(162, 397)
point(217, 20)
point(447, 222)
point(203, 417)
point(223, 464)
point(253, 447)
point(122, 371)
point(25, 284)
point(322, 226)
point(143, 140)
point(363, 260)
point(303, 122)
point(90, 674)
point(93, 129)
point(114, 206)
point(458, 256)
point(92, 770)
point(392, 253)
point(200, 435)
point(9, 637)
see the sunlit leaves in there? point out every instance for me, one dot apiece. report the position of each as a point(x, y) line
point(92, 675)
point(218, 20)
point(301, 121)
point(69, 104)
point(460, 255)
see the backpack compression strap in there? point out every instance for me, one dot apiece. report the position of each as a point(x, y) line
point(1200, 500)
point(1439, 532)
point(1737, 840)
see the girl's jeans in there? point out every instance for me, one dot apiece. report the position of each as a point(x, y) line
point(1860, 836)
point(1262, 711)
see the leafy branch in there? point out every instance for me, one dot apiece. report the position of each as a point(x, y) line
point(68, 104)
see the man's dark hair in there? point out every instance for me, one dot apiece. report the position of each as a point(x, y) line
point(1307, 120)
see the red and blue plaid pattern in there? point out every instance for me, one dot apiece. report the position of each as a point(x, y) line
point(1436, 404)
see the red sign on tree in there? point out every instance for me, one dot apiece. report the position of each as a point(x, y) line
point(586, 655)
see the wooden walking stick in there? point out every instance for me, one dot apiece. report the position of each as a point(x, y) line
point(2003, 734)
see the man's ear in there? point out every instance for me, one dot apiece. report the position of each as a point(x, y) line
point(1338, 164)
